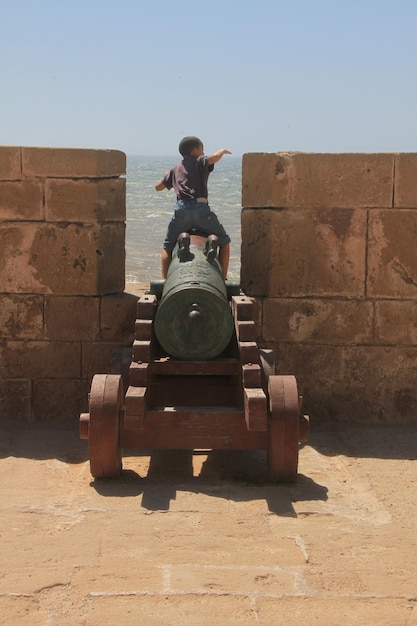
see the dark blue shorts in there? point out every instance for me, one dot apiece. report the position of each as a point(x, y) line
point(190, 214)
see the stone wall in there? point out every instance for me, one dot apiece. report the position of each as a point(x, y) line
point(329, 250)
point(62, 276)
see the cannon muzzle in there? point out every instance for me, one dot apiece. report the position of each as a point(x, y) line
point(194, 319)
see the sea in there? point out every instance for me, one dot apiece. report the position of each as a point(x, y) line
point(149, 212)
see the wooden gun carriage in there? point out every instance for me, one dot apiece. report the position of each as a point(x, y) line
point(195, 378)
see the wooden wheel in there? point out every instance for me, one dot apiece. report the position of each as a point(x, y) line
point(106, 400)
point(283, 428)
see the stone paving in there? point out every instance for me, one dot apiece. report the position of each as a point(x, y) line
point(202, 539)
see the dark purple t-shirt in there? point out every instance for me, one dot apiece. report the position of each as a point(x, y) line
point(189, 178)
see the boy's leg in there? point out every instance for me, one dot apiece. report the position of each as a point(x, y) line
point(224, 257)
point(166, 257)
point(175, 228)
point(206, 220)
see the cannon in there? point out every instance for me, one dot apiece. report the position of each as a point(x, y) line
point(195, 378)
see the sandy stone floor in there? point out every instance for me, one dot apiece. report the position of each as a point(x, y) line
point(203, 539)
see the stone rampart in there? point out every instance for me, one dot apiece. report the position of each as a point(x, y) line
point(62, 275)
point(329, 250)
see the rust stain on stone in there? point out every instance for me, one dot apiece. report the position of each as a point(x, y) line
point(279, 168)
point(339, 220)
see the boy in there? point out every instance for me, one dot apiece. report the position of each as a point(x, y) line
point(189, 180)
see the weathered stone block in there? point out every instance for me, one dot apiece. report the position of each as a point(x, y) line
point(57, 399)
point(340, 322)
point(96, 358)
point(85, 200)
point(10, 163)
point(66, 259)
point(380, 384)
point(396, 322)
point(308, 253)
point(21, 200)
point(303, 360)
point(15, 399)
point(40, 359)
point(405, 192)
point(362, 384)
point(392, 254)
point(319, 372)
point(72, 318)
point(302, 180)
point(118, 314)
point(21, 316)
point(72, 163)
point(85, 386)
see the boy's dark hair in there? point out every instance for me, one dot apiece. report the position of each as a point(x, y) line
point(188, 144)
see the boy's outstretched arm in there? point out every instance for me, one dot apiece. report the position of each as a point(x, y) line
point(160, 185)
point(216, 156)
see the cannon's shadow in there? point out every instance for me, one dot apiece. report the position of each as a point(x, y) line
point(233, 475)
point(237, 476)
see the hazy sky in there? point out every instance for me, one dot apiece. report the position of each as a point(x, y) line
point(248, 75)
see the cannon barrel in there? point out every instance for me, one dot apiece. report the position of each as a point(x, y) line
point(194, 319)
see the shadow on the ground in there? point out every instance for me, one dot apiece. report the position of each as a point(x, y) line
point(234, 475)
point(231, 475)
point(238, 476)
point(60, 440)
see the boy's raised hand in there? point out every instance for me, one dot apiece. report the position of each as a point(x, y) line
point(216, 156)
